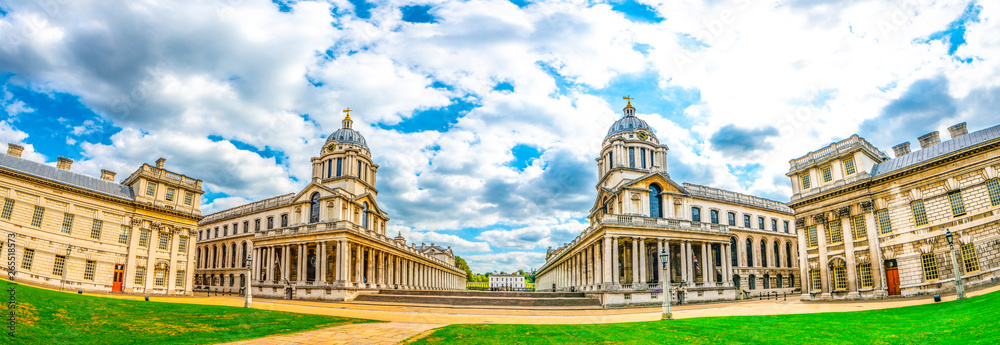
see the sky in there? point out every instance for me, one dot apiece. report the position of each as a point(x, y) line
point(485, 117)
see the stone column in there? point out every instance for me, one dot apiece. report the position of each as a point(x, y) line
point(824, 271)
point(875, 250)
point(848, 236)
point(286, 258)
point(301, 263)
point(615, 267)
point(321, 262)
point(270, 263)
point(709, 263)
point(635, 262)
point(727, 265)
point(804, 281)
point(599, 259)
point(643, 276)
point(685, 264)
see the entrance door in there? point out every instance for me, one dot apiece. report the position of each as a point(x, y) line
point(119, 277)
point(892, 277)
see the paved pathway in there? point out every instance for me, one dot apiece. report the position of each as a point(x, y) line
point(366, 333)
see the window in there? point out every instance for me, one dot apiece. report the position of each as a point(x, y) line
point(805, 182)
point(760, 223)
point(179, 280)
point(216, 232)
point(329, 169)
point(859, 228)
point(752, 282)
point(786, 226)
point(95, 229)
point(8, 209)
point(655, 209)
point(813, 240)
point(763, 253)
point(140, 276)
point(695, 214)
point(36, 219)
point(284, 220)
point(774, 225)
point(732, 244)
point(732, 219)
point(170, 194)
point(314, 208)
point(246, 226)
point(969, 258)
point(767, 281)
point(67, 225)
point(27, 258)
point(849, 167)
point(993, 186)
point(188, 198)
point(88, 272)
point(746, 221)
point(225, 230)
point(182, 244)
point(919, 215)
point(788, 254)
point(270, 223)
point(642, 155)
point(159, 277)
point(59, 267)
point(834, 234)
point(957, 205)
point(256, 225)
point(884, 226)
point(865, 276)
point(839, 277)
point(715, 216)
point(151, 189)
point(123, 234)
point(929, 263)
point(631, 157)
point(749, 253)
point(339, 165)
point(777, 254)
point(164, 241)
point(816, 284)
point(143, 238)
point(827, 174)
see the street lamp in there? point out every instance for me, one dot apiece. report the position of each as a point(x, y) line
point(249, 300)
point(667, 314)
point(69, 249)
point(959, 286)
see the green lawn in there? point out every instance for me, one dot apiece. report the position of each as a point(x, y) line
point(974, 320)
point(49, 317)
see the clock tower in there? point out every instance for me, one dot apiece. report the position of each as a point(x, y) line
point(345, 161)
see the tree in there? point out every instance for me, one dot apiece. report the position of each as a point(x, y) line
point(461, 264)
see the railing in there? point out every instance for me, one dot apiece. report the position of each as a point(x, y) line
point(725, 195)
point(664, 223)
point(250, 208)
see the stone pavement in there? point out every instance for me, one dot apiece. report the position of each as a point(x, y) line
point(365, 333)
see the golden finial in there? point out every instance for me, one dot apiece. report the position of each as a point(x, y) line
point(348, 112)
point(629, 98)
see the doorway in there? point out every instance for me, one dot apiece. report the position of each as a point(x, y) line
point(892, 277)
point(119, 277)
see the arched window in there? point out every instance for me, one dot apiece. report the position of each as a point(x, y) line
point(364, 216)
point(314, 208)
point(733, 250)
point(655, 209)
point(243, 280)
point(232, 279)
point(223, 256)
point(752, 282)
point(244, 256)
point(791, 281)
point(749, 252)
point(695, 214)
point(763, 253)
point(233, 258)
point(197, 257)
point(767, 281)
point(778, 281)
point(215, 257)
point(777, 254)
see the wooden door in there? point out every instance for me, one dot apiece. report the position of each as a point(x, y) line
point(119, 278)
point(892, 277)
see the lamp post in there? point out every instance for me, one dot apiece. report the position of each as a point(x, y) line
point(69, 249)
point(667, 314)
point(249, 300)
point(959, 286)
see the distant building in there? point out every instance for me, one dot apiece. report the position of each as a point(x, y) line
point(874, 226)
point(95, 234)
point(506, 281)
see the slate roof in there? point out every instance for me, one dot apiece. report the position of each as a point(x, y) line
point(62, 176)
point(944, 148)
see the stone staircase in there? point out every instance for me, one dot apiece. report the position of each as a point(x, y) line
point(484, 299)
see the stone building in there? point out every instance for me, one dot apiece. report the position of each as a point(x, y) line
point(875, 226)
point(719, 242)
point(499, 281)
point(81, 232)
point(328, 241)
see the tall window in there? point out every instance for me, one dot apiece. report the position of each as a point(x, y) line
point(929, 263)
point(774, 225)
point(246, 226)
point(224, 256)
point(827, 174)
point(244, 256)
point(767, 281)
point(732, 219)
point(359, 168)
point(834, 234)
point(88, 271)
point(849, 167)
point(67, 224)
point(631, 157)
point(777, 254)
point(763, 253)
point(143, 238)
point(232, 255)
point(59, 267)
point(140, 276)
point(788, 254)
point(752, 282)
point(884, 226)
point(8, 209)
point(957, 205)
point(314, 208)
point(859, 228)
point(26, 258)
point(284, 220)
point(36, 218)
point(170, 194)
point(124, 232)
point(919, 215)
point(655, 209)
point(95, 229)
point(732, 251)
point(611, 159)
point(179, 280)
point(816, 281)
point(778, 281)
point(839, 276)
point(865, 276)
point(188, 198)
point(746, 221)
point(339, 166)
point(160, 277)
point(642, 155)
point(813, 240)
point(749, 253)
point(715, 216)
point(270, 223)
point(182, 244)
point(225, 230)
point(786, 226)
point(150, 189)
point(805, 182)
point(993, 186)
point(969, 258)
point(760, 223)
point(256, 225)
point(695, 214)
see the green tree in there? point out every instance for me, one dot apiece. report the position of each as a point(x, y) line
point(460, 263)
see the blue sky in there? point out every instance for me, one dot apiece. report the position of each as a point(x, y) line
point(485, 117)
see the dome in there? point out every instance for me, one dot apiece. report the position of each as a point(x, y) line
point(347, 135)
point(628, 123)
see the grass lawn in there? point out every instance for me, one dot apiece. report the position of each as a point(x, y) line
point(973, 320)
point(49, 317)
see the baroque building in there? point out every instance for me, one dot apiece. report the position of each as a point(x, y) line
point(875, 226)
point(80, 232)
point(720, 243)
point(327, 241)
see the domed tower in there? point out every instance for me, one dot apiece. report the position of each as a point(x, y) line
point(630, 150)
point(345, 161)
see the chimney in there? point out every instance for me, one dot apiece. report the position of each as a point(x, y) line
point(929, 139)
point(159, 163)
point(901, 149)
point(64, 163)
point(958, 130)
point(108, 175)
point(14, 150)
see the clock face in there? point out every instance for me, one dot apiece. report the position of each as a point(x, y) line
point(643, 136)
point(329, 148)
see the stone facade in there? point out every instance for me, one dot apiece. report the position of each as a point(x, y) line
point(328, 241)
point(905, 206)
point(640, 212)
point(81, 232)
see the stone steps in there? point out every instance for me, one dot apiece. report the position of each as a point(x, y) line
point(474, 293)
point(481, 298)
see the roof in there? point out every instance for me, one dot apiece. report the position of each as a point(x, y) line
point(944, 148)
point(734, 197)
point(66, 177)
point(627, 123)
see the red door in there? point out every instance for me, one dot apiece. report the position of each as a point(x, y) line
point(119, 277)
point(892, 277)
